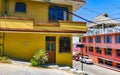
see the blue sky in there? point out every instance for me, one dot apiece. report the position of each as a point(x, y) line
point(94, 8)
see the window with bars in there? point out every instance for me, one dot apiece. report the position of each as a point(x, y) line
point(64, 44)
point(117, 38)
point(50, 43)
point(98, 50)
point(118, 65)
point(108, 51)
point(90, 49)
point(20, 7)
point(58, 13)
point(90, 39)
point(108, 62)
point(84, 39)
point(107, 39)
point(98, 39)
point(100, 60)
point(118, 52)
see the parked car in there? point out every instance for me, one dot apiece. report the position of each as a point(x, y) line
point(86, 59)
point(76, 58)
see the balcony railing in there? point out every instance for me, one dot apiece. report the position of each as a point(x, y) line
point(102, 31)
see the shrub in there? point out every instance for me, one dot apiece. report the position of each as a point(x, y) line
point(5, 59)
point(34, 62)
point(40, 56)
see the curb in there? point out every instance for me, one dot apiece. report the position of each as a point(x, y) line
point(107, 67)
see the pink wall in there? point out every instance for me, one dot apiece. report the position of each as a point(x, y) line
point(103, 45)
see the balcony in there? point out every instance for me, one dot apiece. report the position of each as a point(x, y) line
point(29, 25)
point(103, 31)
point(15, 23)
point(62, 27)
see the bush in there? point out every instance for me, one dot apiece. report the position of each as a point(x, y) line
point(40, 57)
point(5, 59)
point(34, 62)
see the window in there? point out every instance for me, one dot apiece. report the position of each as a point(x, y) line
point(65, 44)
point(84, 39)
point(100, 60)
point(58, 13)
point(117, 39)
point(98, 39)
point(118, 52)
point(118, 65)
point(98, 50)
point(90, 39)
point(20, 7)
point(107, 39)
point(108, 51)
point(50, 43)
point(108, 62)
point(90, 49)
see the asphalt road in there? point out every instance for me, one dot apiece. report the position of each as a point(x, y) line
point(94, 70)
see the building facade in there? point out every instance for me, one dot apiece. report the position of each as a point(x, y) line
point(103, 44)
point(30, 25)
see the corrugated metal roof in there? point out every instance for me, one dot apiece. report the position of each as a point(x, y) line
point(103, 19)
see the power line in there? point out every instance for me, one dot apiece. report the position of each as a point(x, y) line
point(82, 17)
point(115, 14)
point(90, 10)
point(117, 7)
point(70, 12)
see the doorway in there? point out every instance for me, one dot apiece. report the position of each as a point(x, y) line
point(51, 48)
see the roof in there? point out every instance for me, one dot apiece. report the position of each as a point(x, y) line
point(103, 19)
point(75, 3)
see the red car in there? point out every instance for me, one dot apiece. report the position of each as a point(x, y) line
point(75, 57)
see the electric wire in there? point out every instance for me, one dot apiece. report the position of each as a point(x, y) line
point(70, 12)
point(82, 17)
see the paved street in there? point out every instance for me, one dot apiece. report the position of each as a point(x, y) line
point(94, 70)
point(10, 69)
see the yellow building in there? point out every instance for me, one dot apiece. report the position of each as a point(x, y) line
point(30, 25)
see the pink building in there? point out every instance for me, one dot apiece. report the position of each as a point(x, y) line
point(102, 42)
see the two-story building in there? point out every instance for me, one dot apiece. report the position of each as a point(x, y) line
point(29, 25)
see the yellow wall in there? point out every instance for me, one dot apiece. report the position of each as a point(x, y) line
point(1, 6)
point(10, 23)
point(14, 46)
point(37, 10)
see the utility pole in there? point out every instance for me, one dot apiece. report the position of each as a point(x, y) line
point(81, 46)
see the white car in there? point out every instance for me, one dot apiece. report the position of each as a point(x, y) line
point(86, 59)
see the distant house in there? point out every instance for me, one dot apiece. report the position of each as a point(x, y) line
point(29, 25)
point(103, 44)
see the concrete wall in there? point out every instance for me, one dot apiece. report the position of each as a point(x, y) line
point(15, 47)
point(36, 10)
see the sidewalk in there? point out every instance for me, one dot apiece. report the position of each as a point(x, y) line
point(11, 69)
point(108, 67)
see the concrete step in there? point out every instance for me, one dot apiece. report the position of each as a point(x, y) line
point(79, 72)
point(53, 66)
point(64, 68)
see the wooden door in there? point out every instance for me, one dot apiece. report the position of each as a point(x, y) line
point(50, 47)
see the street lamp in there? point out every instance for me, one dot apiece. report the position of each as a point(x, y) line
point(81, 46)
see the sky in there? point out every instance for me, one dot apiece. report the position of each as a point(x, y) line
point(93, 8)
